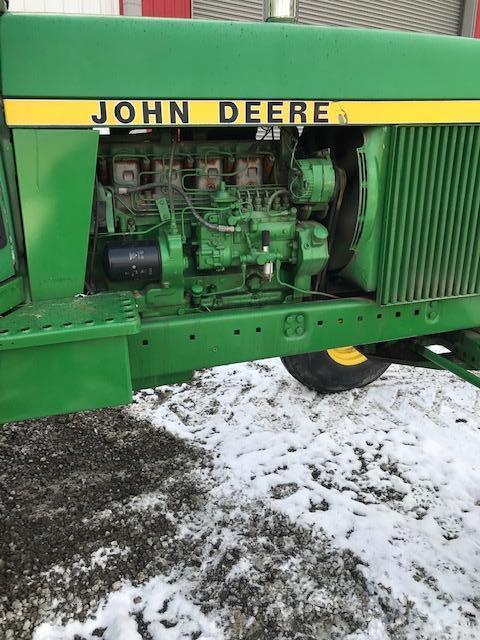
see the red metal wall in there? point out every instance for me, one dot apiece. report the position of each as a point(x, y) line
point(476, 32)
point(167, 8)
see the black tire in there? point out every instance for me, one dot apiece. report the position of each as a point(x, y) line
point(318, 371)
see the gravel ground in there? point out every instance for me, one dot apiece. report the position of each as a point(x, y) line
point(78, 520)
point(124, 528)
point(66, 488)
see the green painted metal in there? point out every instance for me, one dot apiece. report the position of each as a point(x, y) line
point(64, 377)
point(312, 257)
point(66, 355)
point(430, 247)
point(56, 176)
point(10, 194)
point(175, 58)
point(466, 346)
point(69, 320)
point(312, 181)
point(212, 339)
point(8, 258)
point(449, 365)
point(12, 293)
point(7, 251)
point(366, 243)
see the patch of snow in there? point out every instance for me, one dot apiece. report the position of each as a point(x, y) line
point(390, 472)
point(167, 609)
point(381, 486)
point(98, 558)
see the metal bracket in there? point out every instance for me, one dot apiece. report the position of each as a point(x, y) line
point(465, 355)
point(451, 366)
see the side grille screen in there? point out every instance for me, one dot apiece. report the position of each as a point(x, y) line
point(431, 234)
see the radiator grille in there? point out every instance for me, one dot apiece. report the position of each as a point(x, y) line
point(431, 246)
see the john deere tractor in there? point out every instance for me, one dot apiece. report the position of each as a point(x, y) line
point(181, 194)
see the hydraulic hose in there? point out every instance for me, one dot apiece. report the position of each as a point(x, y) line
point(165, 187)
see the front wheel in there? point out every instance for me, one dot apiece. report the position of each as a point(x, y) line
point(334, 370)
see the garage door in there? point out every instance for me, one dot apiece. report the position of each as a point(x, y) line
point(228, 9)
point(436, 16)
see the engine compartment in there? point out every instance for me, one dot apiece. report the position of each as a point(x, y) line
point(203, 219)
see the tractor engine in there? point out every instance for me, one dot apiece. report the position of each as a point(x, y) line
point(207, 222)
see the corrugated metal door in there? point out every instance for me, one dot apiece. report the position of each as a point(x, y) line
point(97, 7)
point(437, 16)
point(228, 9)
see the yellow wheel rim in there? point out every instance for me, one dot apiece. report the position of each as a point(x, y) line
point(346, 356)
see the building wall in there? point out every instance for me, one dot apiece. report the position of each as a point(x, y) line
point(453, 16)
point(434, 16)
point(476, 30)
point(99, 7)
point(167, 8)
point(470, 10)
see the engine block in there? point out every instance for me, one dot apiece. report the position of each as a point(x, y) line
point(195, 224)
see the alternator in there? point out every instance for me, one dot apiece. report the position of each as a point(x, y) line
point(312, 181)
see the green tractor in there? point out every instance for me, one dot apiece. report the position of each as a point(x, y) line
point(180, 194)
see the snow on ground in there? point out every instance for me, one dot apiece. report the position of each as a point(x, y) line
point(353, 516)
point(391, 472)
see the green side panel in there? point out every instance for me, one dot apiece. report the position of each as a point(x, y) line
point(7, 244)
point(432, 222)
point(65, 56)
point(363, 267)
point(60, 378)
point(66, 355)
point(11, 191)
point(56, 176)
point(7, 265)
point(196, 342)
